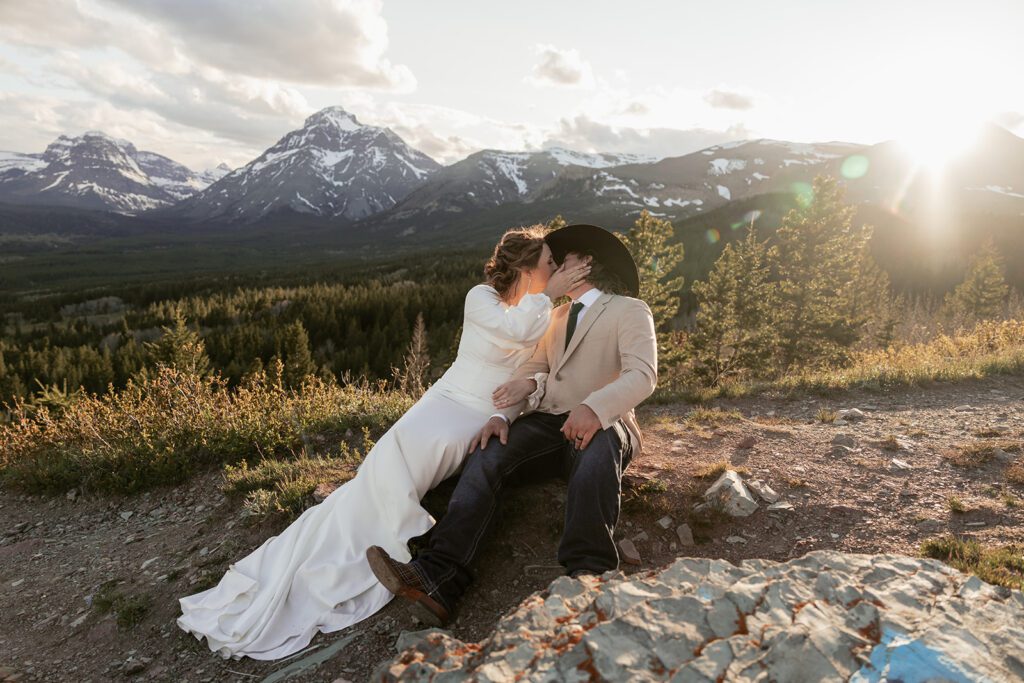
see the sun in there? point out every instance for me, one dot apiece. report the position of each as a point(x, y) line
point(936, 141)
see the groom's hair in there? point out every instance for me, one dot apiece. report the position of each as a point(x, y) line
point(600, 275)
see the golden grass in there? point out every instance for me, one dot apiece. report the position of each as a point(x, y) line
point(992, 347)
point(161, 430)
point(1003, 565)
point(978, 454)
point(826, 415)
point(1015, 473)
point(717, 469)
point(711, 416)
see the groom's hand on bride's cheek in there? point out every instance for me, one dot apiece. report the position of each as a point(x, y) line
point(494, 427)
point(583, 422)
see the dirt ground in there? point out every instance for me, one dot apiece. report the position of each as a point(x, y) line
point(89, 586)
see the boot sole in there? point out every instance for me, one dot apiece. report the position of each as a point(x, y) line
point(423, 607)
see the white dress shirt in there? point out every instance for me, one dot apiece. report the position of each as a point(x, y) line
point(587, 298)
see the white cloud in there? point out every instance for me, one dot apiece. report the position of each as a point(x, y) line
point(587, 135)
point(30, 123)
point(720, 98)
point(325, 42)
point(560, 67)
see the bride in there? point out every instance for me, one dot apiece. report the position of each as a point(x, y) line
point(314, 575)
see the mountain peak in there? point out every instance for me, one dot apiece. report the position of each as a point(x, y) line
point(120, 142)
point(335, 116)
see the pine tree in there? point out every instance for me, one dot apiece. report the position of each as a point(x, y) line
point(556, 223)
point(822, 280)
point(298, 361)
point(413, 377)
point(734, 330)
point(179, 347)
point(656, 259)
point(983, 291)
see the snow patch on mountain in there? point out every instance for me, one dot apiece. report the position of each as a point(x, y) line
point(10, 161)
point(724, 166)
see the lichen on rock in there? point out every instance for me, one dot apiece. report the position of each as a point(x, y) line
point(827, 616)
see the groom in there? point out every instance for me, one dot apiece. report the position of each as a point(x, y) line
point(600, 357)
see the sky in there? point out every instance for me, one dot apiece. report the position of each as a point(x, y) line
point(211, 81)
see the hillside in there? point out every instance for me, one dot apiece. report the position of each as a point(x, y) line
point(73, 565)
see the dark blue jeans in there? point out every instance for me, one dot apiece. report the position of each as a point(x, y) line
point(536, 451)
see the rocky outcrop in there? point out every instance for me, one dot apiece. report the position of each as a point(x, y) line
point(827, 616)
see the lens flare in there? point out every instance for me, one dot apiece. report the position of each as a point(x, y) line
point(804, 193)
point(854, 166)
point(751, 216)
point(712, 236)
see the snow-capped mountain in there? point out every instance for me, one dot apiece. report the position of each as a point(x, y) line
point(333, 166)
point(212, 175)
point(697, 182)
point(492, 178)
point(95, 171)
point(15, 163)
point(577, 184)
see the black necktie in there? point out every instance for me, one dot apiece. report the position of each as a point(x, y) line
point(574, 312)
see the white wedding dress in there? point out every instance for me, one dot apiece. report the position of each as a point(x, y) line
point(314, 575)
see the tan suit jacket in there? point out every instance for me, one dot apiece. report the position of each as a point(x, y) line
point(611, 363)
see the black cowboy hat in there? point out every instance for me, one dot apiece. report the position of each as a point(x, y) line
point(605, 246)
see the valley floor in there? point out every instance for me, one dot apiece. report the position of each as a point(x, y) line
point(72, 568)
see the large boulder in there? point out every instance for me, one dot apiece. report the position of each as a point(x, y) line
point(827, 616)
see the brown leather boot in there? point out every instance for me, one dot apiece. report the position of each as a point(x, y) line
point(403, 581)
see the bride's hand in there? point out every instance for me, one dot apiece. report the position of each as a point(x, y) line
point(565, 280)
point(511, 393)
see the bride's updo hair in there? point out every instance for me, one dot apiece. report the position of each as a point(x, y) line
point(518, 248)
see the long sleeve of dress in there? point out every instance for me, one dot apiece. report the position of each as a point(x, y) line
point(520, 326)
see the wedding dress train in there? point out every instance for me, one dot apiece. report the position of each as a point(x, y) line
point(314, 576)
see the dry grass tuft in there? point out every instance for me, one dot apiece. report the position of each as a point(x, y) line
point(1002, 566)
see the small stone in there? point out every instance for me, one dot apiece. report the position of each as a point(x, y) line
point(79, 621)
point(851, 415)
point(781, 505)
point(844, 439)
point(15, 584)
point(965, 408)
point(685, 534)
point(133, 666)
point(735, 539)
point(766, 492)
point(929, 525)
point(1003, 456)
point(149, 562)
point(842, 451)
point(72, 494)
point(126, 515)
point(630, 555)
point(322, 491)
point(640, 537)
point(746, 442)
point(901, 464)
point(665, 522)
point(730, 490)
point(974, 523)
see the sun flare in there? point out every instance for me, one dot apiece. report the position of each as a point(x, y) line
point(934, 143)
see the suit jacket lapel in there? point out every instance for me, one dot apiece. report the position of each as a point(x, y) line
point(589, 317)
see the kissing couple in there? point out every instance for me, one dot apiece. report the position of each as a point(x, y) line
point(535, 392)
